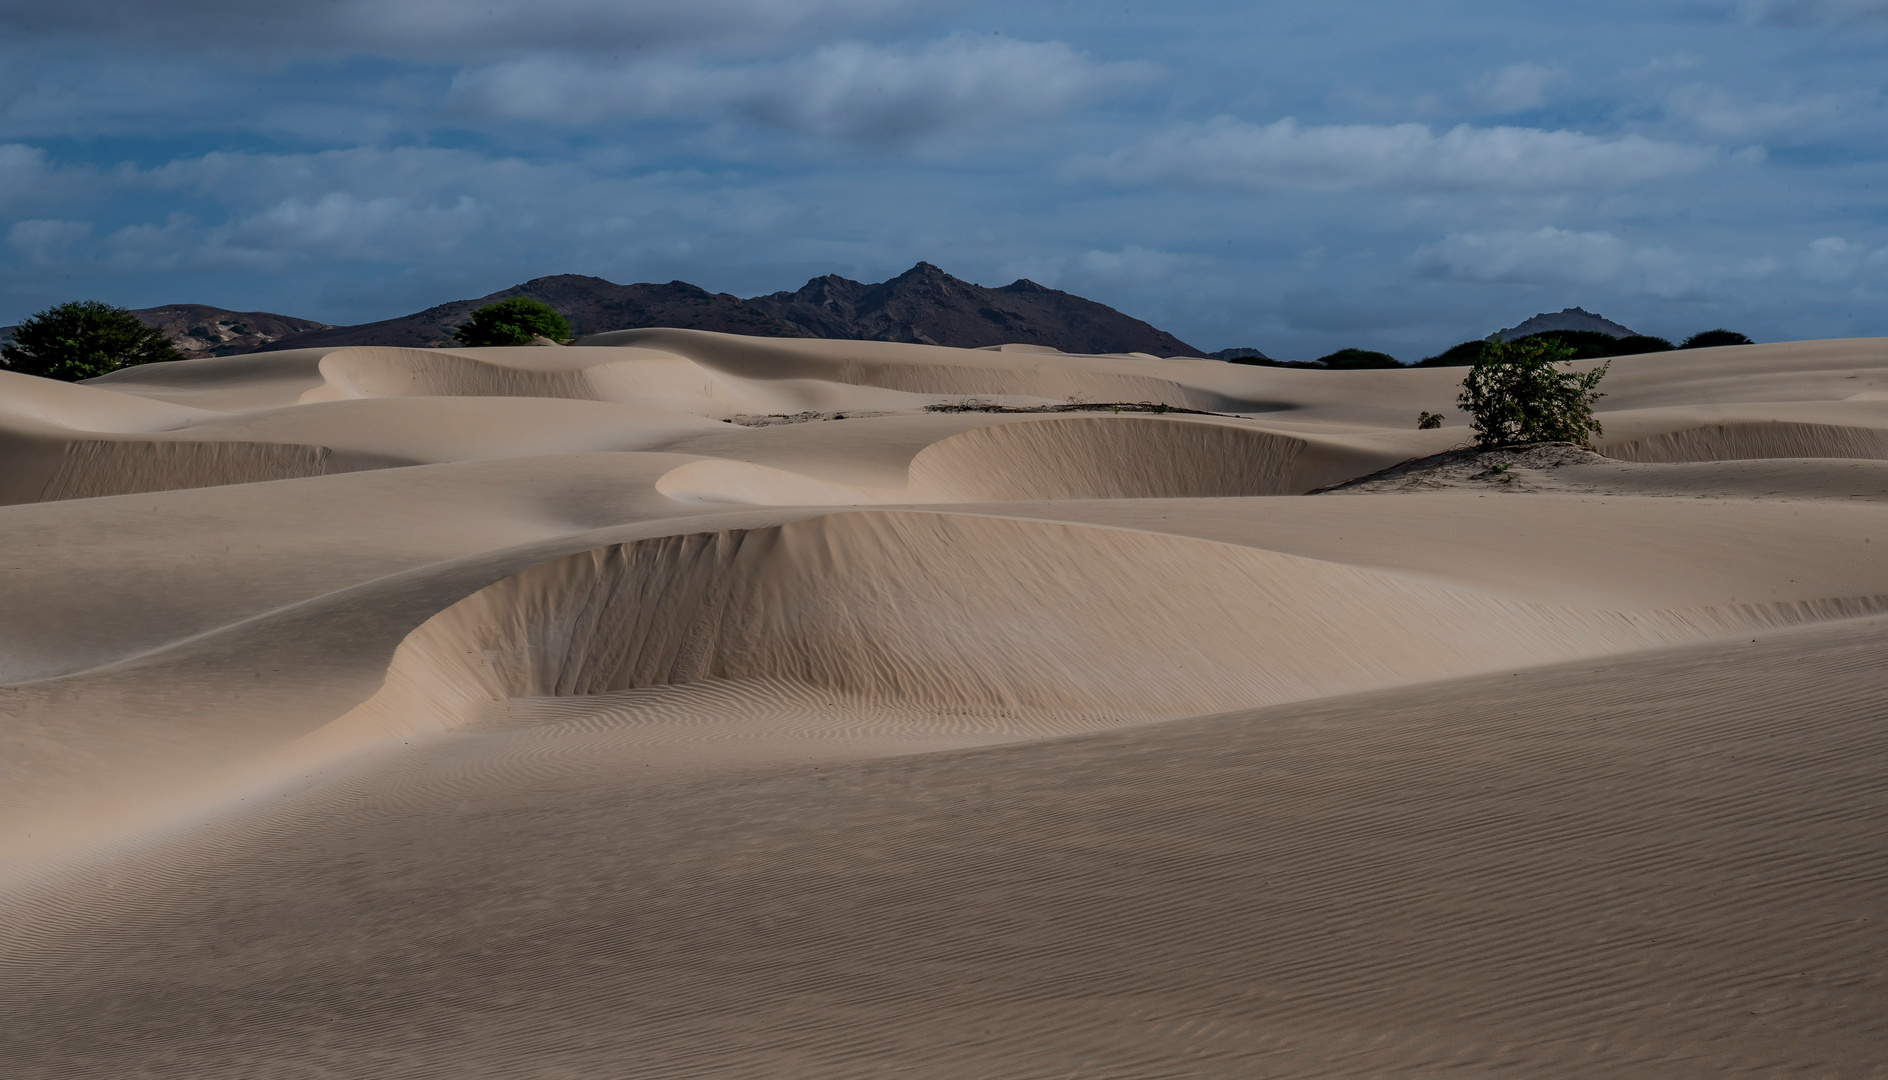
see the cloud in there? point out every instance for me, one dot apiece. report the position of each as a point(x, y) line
point(1551, 256)
point(850, 90)
point(341, 225)
point(1833, 259)
point(27, 176)
point(447, 212)
point(1515, 87)
point(1718, 114)
point(1228, 153)
point(443, 29)
point(1811, 12)
point(43, 240)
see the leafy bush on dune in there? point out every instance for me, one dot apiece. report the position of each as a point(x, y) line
point(1357, 359)
point(1640, 343)
point(1462, 355)
point(1580, 344)
point(1341, 360)
point(1519, 393)
point(517, 321)
point(1593, 345)
point(1711, 339)
point(83, 339)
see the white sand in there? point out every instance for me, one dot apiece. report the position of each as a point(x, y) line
point(510, 712)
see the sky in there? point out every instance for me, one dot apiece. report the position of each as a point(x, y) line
point(1291, 177)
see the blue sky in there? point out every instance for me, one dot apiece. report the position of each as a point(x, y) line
point(1294, 177)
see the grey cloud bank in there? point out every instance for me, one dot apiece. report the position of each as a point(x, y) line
point(1229, 153)
point(848, 90)
point(1394, 177)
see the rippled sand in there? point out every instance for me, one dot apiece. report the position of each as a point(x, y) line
point(516, 713)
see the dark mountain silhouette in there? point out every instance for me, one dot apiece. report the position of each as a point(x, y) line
point(928, 306)
point(923, 305)
point(590, 304)
point(1572, 318)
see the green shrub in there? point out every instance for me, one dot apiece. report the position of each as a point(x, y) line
point(1711, 339)
point(1519, 393)
point(1461, 355)
point(83, 339)
point(1640, 343)
point(1357, 359)
point(1428, 421)
point(516, 321)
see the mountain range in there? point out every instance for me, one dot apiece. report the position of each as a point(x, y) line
point(923, 305)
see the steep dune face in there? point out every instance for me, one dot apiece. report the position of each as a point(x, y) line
point(933, 372)
point(1745, 441)
point(1342, 424)
point(95, 467)
point(1124, 458)
point(1085, 457)
point(1106, 458)
point(578, 730)
point(991, 615)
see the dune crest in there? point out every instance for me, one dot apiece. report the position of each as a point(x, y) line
point(1745, 441)
point(991, 615)
point(680, 703)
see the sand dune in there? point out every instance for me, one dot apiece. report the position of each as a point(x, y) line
point(677, 703)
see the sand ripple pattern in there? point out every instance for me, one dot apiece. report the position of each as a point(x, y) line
point(1097, 457)
point(1107, 458)
point(1746, 441)
point(995, 615)
point(94, 467)
point(1665, 865)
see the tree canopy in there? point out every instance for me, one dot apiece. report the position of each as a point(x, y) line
point(1461, 355)
point(1519, 393)
point(517, 321)
point(1711, 339)
point(1593, 345)
point(1357, 359)
point(83, 339)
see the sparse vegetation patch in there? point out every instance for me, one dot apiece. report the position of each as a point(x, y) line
point(1519, 392)
point(83, 339)
point(517, 321)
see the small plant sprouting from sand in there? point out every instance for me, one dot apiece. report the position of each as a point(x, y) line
point(1428, 421)
point(1518, 392)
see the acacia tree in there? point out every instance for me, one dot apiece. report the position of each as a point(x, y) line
point(517, 321)
point(83, 339)
point(1518, 392)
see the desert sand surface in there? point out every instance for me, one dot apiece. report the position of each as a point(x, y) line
point(685, 704)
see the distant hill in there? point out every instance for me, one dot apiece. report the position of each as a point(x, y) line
point(923, 305)
point(928, 306)
point(1572, 318)
point(591, 305)
point(200, 330)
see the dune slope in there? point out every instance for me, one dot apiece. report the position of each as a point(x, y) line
point(689, 704)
